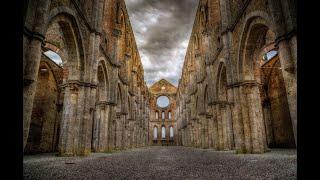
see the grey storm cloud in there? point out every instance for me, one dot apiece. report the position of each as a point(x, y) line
point(162, 30)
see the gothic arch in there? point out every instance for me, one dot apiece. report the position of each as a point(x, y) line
point(119, 98)
point(43, 133)
point(102, 82)
point(206, 100)
point(253, 41)
point(221, 88)
point(259, 22)
point(69, 23)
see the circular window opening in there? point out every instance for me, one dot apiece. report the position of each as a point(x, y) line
point(163, 101)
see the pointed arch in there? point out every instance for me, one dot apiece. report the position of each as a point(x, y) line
point(221, 87)
point(258, 22)
point(67, 20)
point(119, 98)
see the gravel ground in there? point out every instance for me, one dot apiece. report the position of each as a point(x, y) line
point(164, 163)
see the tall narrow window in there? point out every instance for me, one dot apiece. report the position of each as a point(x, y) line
point(157, 115)
point(163, 115)
point(163, 132)
point(171, 132)
point(155, 133)
point(169, 115)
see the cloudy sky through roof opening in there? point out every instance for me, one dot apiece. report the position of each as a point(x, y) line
point(162, 30)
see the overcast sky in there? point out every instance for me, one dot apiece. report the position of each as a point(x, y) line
point(162, 30)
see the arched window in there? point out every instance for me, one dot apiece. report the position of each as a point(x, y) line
point(155, 133)
point(169, 115)
point(269, 55)
point(163, 115)
point(171, 132)
point(163, 132)
point(157, 115)
point(54, 57)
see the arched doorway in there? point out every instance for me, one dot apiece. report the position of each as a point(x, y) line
point(45, 119)
point(259, 66)
point(226, 137)
point(55, 105)
point(100, 117)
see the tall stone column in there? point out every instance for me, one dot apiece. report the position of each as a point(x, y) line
point(204, 132)
point(224, 120)
point(256, 119)
point(290, 80)
point(96, 128)
point(245, 119)
point(287, 55)
point(101, 127)
point(215, 132)
point(33, 38)
point(112, 129)
point(185, 135)
point(210, 136)
point(198, 133)
point(69, 126)
point(106, 127)
point(220, 128)
point(268, 123)
point(233, 96)
point(119, 131)
point(101, 131)
point(229, 126)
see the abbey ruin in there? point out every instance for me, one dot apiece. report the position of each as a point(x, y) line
point(237, 90)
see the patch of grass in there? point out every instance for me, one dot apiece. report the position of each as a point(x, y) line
point(111, 151)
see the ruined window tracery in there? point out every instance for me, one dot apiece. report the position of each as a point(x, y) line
point(155, 133)
point(163, 132)
point(171, 132)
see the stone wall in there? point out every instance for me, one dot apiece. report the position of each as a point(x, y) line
point(100, 63)
point(162, 88)
point(223, 108)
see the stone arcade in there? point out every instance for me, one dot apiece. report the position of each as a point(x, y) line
point(237, 90)
point(238, 85)
point(96, 100)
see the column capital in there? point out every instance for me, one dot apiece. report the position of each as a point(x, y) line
point(106, 103)
point(285, 36)
point(33, 34)
point(77, 83)
point(244, 83)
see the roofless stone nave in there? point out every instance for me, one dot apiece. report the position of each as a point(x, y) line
point(237, 90)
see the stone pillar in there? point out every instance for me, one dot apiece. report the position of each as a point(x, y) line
point(256, 119)
point(224, 120)
point(238, 129)
point(245, 120)
point(101, 132)
point(69, 126)
point(290, 80)
point(119, 131)
point(215, 132)
point(198, 133)
point(96, 128)
point(227, 118)
point(101, 128)
point(287, 58)
point(106, 127)
point(268, 123)
point(204, 132)
point(112, 131)
point(31, 61)
point(220, 128)
point(210, 133)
